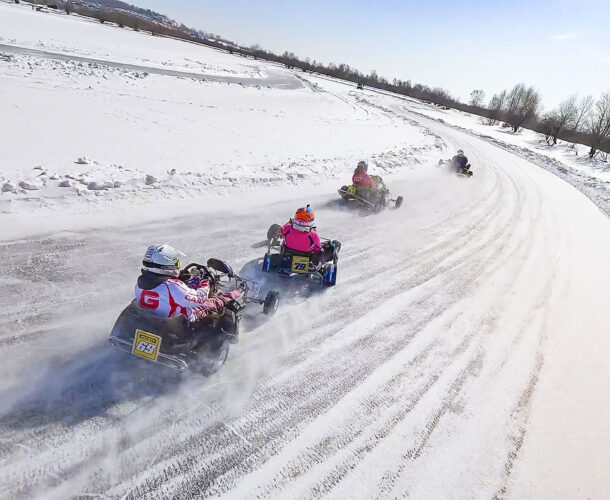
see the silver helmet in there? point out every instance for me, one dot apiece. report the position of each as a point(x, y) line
point(162, 259)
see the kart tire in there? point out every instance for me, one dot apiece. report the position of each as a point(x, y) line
point(398, 202)
point(272, 301)
point(345, 196)
point(212, 356)
point(230, 325)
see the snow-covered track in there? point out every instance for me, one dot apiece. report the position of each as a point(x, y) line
point(275, 78)
point(419, 374)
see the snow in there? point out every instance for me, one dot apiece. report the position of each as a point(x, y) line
point(54, 31)
point(462, 353)
point(107, 130)
point(567, 160)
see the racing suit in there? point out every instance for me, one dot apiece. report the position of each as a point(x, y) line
point(166, 297)
point(362, 179)
point(309, 242)
point(300, 240)
point(459, 162)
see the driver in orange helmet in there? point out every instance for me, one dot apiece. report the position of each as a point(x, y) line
point(300, 233)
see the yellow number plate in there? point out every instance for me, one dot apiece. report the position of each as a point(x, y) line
point(146, 345)
point(300, 264)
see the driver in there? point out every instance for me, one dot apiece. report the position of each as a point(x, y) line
point(300, 234)
point(361, 178)
point(161, 293)
point(460, 162)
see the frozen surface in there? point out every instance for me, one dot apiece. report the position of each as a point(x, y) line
point(462, 354)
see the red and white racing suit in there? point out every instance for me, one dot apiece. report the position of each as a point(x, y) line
point(173, 297)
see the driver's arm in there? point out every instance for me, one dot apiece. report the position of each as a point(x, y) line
point(316, 244)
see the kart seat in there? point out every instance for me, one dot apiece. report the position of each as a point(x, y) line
point(173, 331)
point(290, 251)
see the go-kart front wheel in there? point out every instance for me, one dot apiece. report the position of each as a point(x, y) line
point(398, 202)
point(272, 301)
point(343, 193)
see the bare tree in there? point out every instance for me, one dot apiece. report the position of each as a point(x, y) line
point(584, 108)
point(598, 124)
point(561, 118)
point(477, 97)
point(522, 104)
point(496, 105)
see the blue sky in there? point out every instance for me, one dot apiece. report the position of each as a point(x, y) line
point(561, 47)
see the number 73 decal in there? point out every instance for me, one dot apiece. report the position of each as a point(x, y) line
point(146, 345)
point(300, 264)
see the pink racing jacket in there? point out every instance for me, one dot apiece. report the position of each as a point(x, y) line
point(300, 240)
point(362, 179)
point(173, 297)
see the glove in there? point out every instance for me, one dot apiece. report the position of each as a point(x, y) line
point(235, 294)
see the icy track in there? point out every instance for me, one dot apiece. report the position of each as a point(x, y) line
point(463, 354)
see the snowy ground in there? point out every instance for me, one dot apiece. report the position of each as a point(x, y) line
point(566, 160)
point(463, 353)
point(144, 136)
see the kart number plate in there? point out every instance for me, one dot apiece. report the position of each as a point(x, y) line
point(300, 264)
point(146, 345)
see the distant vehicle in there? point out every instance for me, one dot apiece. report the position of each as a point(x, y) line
point(360, 86)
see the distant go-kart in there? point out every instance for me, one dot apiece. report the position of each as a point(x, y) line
point(371, 199)
point(175, 342)
point(290, 263)
point(462, 172)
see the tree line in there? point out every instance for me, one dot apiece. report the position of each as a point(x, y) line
point(584, 120)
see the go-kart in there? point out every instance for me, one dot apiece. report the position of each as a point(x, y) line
point(462, 172)
point(290, 263)
point(202, 346)
point(373, 199)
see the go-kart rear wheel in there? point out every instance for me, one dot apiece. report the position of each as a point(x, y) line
point(230, 325)
point(272, 301)
point(398, 202)
point(213, 355)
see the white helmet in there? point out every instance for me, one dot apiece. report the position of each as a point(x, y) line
point(162, 259)
point(460, 152)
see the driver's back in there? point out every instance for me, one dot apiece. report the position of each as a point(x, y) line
point(166, 297)
point(301, 241)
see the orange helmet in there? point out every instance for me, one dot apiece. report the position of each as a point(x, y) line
point(304, 218)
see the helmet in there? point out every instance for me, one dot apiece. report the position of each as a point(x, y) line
point(304, 219)
point(162, 259)
point(363, 164)
point(460, 152)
